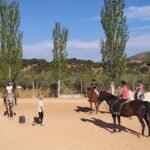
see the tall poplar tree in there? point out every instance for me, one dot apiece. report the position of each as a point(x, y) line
point(10, 40)
point(113, 22)
point(60, 37)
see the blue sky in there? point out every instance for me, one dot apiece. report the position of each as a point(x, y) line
point(81, 17)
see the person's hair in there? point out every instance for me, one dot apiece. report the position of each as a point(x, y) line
point(93, 80)
point(124, 82)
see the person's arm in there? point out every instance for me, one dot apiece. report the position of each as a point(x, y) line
point(137, 88)
point(121, 91)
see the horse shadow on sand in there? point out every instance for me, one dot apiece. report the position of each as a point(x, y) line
point(88, 109)
point(109, 126)
point(83, 109)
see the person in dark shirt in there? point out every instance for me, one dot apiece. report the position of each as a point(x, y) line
point(94, 86)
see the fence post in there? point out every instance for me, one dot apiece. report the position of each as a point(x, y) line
point(81, 88)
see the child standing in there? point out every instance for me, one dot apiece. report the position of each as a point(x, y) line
point(40, 108)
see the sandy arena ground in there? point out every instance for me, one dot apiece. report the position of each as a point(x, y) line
point(68, 126)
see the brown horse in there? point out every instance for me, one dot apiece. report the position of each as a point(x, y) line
point(93, 98)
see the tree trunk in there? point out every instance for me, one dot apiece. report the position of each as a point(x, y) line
point(81, 88)
point(33, 88)
point(9, 74)
point(112, 87)
point(58, 89)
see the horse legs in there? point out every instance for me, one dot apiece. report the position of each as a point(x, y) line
point(10, 110)
point(98, 103)
point(142, 124)
point(7, 110)
point(119, 122)
point(146, 118)
point(96, 107)
point(114, 120)
point(91, 107)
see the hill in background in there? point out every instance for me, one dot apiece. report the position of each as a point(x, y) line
point(139, 62)
point(141, 56)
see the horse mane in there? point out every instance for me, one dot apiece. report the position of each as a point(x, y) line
point(89, 88)
point(111, 96)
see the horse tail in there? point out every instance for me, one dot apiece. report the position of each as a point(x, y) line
point(147, 104)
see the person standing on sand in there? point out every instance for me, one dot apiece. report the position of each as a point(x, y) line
point(40, 108)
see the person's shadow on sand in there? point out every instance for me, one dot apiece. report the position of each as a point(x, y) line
point(109, 126)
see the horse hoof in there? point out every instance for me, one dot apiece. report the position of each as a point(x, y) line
point(5, 113)
point(143, 135)
point(119, 130)
point(113, 131)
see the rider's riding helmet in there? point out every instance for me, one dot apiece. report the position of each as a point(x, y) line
point(9, 83)
point(124, 82)
point(140, 81)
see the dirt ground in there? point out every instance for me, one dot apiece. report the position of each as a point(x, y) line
point(68, 125)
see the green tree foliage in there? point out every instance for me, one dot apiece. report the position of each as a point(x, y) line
point(79, 74)
point(113, 22)
point(60, 37)
point(10, 40)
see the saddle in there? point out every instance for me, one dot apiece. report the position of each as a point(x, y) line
point(116, 107)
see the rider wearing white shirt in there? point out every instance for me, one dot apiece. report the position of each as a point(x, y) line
point(40, 109)
point(9, 90)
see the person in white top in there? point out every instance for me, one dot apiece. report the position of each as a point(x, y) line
point(40, 109)
point(9, 90)
point(9, 100)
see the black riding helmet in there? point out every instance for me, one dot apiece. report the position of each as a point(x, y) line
point(140, 81)
point(93, 80)
point(124, 82)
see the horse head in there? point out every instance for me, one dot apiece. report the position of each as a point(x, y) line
point(92, 95)
point(102, 96)
point(88, 91)
point(106, 96)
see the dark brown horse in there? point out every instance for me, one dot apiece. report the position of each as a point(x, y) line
point(93, 98)
point(118, 108)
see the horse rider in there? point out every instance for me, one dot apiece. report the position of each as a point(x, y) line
point(124, 93)
point(139, 90)
point(123, 98)
point(9, 91)
point(94, 87)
